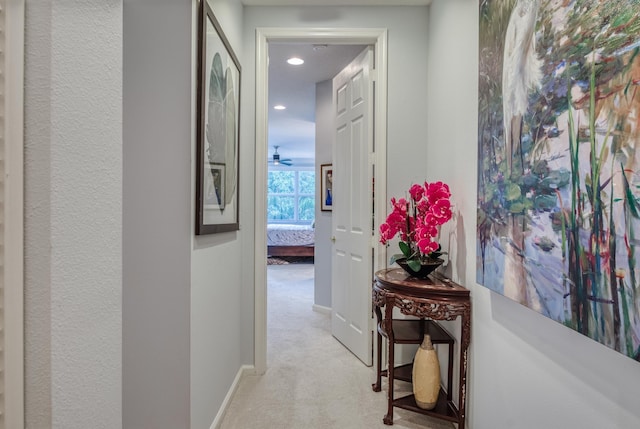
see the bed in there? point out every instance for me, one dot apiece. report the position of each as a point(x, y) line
point(290, 240)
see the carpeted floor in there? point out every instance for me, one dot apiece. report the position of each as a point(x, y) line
point(312, 381)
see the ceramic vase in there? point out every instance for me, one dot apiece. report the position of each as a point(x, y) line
point(426, 375)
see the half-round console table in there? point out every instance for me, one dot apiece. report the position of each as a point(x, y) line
point(434, 298)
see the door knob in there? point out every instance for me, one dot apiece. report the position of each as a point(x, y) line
point(333, 238)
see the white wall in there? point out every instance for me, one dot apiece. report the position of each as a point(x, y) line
point(324, 155)
point(183, 293)
point(157, 215)
point(73, 208)
point(221, 272)
point(526, 370)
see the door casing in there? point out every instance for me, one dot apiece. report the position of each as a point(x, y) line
point(352, 36)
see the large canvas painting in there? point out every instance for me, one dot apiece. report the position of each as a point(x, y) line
point(558, 169)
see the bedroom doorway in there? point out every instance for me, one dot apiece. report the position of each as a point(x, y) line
point(300, 141)
point(373, 37)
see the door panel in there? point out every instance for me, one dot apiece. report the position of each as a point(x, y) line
point(352, 208)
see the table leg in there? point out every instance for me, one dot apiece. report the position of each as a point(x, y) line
point(450, 374)
point(377, 386)
point(388, 319)
point(464, 356)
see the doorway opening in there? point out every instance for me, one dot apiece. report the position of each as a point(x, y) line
point(264, 37)
point(300, 142)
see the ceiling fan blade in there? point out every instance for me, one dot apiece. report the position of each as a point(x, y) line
point(280, 162)
point(276, 160)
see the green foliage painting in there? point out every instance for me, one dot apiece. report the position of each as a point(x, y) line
point(558, 170)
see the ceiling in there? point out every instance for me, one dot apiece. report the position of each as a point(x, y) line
point(293, 129)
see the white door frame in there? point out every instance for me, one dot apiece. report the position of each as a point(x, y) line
point(352, 36)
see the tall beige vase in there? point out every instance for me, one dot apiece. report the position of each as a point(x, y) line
point(426, 375)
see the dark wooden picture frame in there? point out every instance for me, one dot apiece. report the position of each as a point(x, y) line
point(326, 187)
point(218, 133)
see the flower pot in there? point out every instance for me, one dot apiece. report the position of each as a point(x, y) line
point(426, 375)
point(426, 267)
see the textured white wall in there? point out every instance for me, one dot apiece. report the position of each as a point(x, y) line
point(37, 214)
point(527, 372)
point(73, 207)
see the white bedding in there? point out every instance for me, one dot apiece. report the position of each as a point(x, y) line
point(290, 235)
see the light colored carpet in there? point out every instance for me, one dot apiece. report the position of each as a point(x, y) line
point(312, 381)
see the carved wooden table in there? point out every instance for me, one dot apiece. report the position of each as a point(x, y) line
point(434, 298)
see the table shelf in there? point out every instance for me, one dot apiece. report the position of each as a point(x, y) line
point(402, 373)
point(444, 409)
point(427, 300)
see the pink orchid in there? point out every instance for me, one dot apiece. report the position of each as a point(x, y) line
point(417, 220)
point(416, 192)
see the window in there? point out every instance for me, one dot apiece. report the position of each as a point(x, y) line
point(291, 196)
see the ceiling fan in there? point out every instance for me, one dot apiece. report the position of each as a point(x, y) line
point(277, 160)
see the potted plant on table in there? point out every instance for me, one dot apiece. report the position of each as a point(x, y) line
point(417, 220)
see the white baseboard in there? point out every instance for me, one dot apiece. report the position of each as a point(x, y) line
point(244, 370)
point(321, 309)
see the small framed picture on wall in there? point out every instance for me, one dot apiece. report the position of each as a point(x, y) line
point(326, 187)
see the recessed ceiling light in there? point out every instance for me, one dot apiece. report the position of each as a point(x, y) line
point(279, 107)
point(294, 61)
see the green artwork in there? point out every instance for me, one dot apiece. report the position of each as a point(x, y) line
point(558, 183)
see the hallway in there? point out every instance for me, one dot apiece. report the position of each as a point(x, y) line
point(312, 381)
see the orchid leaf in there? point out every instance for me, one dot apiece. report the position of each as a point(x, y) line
point(414, 264)
point(406, 250)
point(395, 257)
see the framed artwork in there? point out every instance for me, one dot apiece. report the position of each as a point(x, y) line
point(558, 165)
point(326, 187)
point(217, 157)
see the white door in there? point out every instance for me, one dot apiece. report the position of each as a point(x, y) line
point(352, 251)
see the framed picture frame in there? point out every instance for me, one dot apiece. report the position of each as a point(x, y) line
point(218, 132)
point(214, 186)
point(326, 187)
